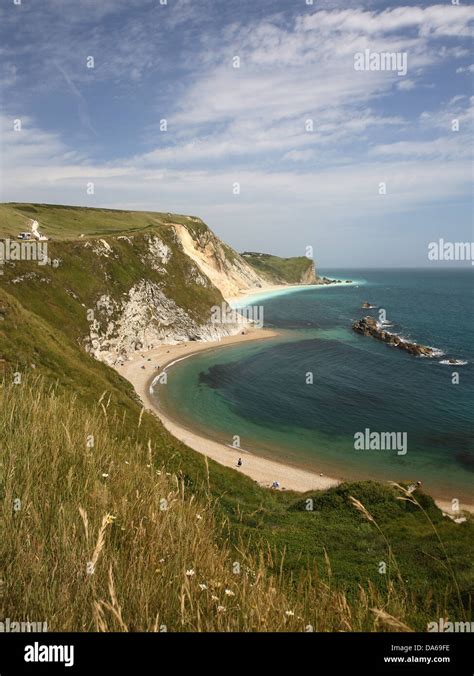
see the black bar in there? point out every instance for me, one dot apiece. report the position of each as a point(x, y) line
point(320, 653)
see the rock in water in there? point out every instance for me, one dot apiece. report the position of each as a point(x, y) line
point(368, 326)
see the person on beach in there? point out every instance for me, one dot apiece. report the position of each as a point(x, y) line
point(239, 462)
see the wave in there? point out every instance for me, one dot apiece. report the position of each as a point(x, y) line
point(454, 362)
point(435, 351)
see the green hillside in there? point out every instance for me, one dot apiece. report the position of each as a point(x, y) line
point(331, 549)
point(61, 222)
point(63, 294)
point(281, 270)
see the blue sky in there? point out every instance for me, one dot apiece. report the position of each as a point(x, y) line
point(247, 125)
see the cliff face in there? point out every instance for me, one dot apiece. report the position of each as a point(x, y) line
point(226, 269)
point(145, 318)
point(118, 282)
point(309, 276)
point(154, 311)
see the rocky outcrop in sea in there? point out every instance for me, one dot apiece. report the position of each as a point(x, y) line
point(368, 326)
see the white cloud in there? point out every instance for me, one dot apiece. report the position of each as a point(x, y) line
point(40, 168)
point(454, 148)
point(467, 69)
point(436, 20)
point(248, 125)
point(289, 74)
point(406, 85)
point(299, 155)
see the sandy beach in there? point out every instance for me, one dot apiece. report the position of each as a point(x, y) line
point(279, 289)
point(142, 370)
point(261, 470)
point(271, 289)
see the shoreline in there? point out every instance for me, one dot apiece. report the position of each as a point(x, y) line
point(282, 289)
point(258, 468)
point(142, 370)
point(273, 290)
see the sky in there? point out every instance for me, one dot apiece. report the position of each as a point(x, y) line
point(251, 115)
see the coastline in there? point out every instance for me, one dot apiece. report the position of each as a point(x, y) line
point(142, 370)
point(261, 470)
point(275, 290)
point(272, 290)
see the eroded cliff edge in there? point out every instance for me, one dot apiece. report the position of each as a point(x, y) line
point(121, 281)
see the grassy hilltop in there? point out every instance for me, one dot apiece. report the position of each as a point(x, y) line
point(85, 270)
point(62, 222)
point(103, 504)
point(279, 270)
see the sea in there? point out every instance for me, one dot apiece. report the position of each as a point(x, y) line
point(306, 396)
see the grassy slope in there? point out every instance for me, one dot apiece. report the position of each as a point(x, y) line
point(42, 326)
point(279, 270)
point(64, 222)
point(62, 295)
point(116, 542)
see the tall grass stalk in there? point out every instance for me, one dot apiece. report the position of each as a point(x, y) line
point(97, 537)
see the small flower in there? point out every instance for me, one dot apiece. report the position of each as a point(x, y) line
point(289, 613)
point(202, 587)
point(229, 592)
point(198, 517)
point(190, 572)
point(220, 609)
point(214, 598)
point(126, 462)
point(161, 561)
point(105, 475)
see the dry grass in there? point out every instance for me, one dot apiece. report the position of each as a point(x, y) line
point(104, 540)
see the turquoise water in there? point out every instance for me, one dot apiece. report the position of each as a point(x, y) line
point(259, 390)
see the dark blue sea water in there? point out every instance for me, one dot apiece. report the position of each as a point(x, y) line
point(259, 391)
